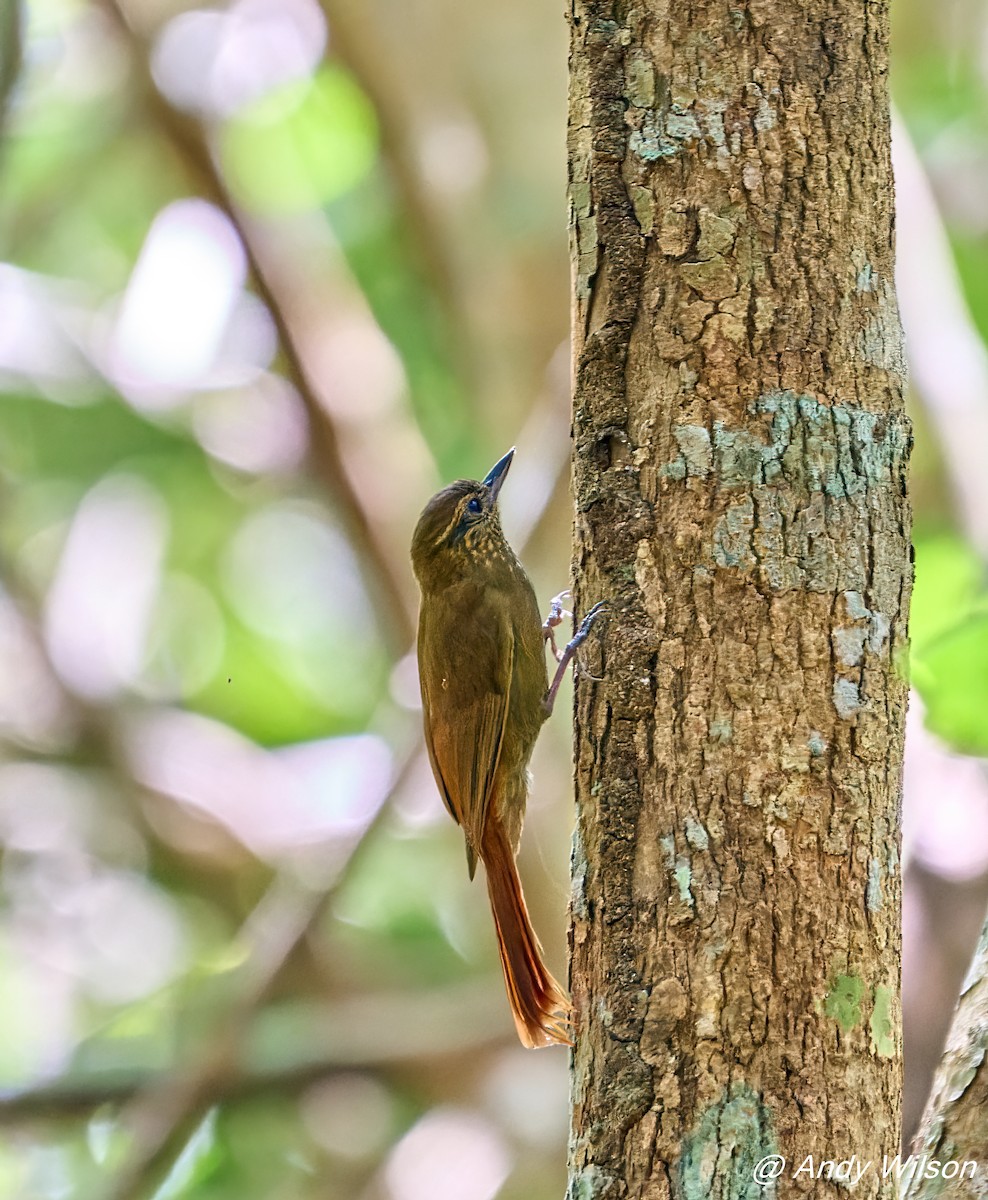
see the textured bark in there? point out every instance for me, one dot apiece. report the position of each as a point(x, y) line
point(954, 1130)
point(740, 501)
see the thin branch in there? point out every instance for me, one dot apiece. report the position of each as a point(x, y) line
point(356, 43)
point(168, 1110)
point(947, 356)
point(173, 1105)
point(11, 53)
point(161, 1117)
point(164, 1108)
point(955, 1125)
point(191, 143)
point(370, 1033)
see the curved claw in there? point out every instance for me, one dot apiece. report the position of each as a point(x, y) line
point(557, 611)
point(583, 673)
point(557, 614)
point(588, 620)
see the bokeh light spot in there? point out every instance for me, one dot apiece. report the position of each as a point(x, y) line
point(449, 1154)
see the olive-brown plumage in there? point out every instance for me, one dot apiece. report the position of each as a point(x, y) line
point(483, 678)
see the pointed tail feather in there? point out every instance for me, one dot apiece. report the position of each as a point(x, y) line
point(538, 1004)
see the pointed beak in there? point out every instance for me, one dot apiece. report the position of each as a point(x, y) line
point(498, 473)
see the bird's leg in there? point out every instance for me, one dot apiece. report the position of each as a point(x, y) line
point(571, 648)
point(557, 614)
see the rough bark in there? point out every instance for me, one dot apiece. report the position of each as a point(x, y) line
point(740, 456)
point(954, 1131)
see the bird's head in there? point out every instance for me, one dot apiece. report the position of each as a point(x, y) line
point(459, 527)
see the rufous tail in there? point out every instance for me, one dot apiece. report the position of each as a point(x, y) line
point(538, 1004)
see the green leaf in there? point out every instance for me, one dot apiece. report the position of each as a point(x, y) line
point(199, 1158)
point(954, 685)
point(252, 692)
point(949, 580)
point(81, 442)
point(949, 635)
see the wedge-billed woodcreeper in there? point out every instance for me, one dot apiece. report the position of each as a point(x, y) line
point(485, 694)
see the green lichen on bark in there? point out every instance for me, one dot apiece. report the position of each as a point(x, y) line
point(883, 1025)
point(732, 1137)
point(843, 1002)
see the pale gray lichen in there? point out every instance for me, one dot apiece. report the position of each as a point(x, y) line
point(849, 644)
point(807, 468)
point(847, 698)
point(857, 610)
point(663, 127)
point(765, 117)
point(592, 1183)
point(683, 875)
point(880, 342)
point(650, 142)
point(817, 743)
point(879, 632)
point(720, 1155)
point(694, 446)
point(682, 125)
point(720, 729)
point(696, 835)
point(679, 865)
point(732, 535)
point(873, 892)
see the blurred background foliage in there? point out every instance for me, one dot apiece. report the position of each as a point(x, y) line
point(270, 272)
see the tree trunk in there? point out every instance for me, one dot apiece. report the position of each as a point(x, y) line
point(740, 502)
point(953, 1136)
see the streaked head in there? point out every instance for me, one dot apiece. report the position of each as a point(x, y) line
point(460, 523)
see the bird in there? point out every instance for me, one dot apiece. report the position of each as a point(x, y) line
point(485, 695)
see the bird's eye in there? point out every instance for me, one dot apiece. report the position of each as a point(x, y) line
point(474, 506)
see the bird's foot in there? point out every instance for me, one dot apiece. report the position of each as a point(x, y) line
point(566, 657)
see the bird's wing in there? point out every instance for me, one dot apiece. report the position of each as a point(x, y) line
point(465, 689)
